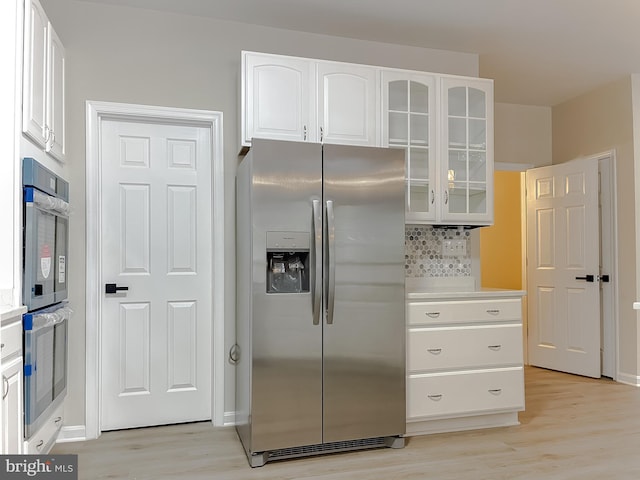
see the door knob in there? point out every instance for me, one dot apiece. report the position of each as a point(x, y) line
point(588, 278)
point(113, 288)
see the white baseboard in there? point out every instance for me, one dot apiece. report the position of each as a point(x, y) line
point(76, 433)
point(628, 379)
point(229, 419)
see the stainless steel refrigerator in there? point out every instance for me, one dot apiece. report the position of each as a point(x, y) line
point(320, 299)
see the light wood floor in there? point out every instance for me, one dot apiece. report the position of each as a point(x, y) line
point(573, 428)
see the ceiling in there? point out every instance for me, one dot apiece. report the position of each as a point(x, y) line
point(539, 52)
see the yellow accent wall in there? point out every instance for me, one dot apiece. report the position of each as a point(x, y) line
point(501, 244)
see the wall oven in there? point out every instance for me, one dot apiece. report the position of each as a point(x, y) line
point(45, 248)
point(45, 364)
point(46, 227)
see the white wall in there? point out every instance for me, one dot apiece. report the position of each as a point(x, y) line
point(635, 94)
point(595, 122)
point(522, 134)
point(128, 55)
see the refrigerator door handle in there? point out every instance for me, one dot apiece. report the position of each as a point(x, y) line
point(331, 263)
point(316, 225)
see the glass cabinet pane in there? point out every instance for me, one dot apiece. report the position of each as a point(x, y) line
point(478, 134)
point(457, 132)
point(457, 105)
point(477, 198)
point(457, 198)
point(418, 197)
point(477, 166)
point(419, 97)
point(419, 130)
point(457, 171)
point(418, 164)
point(399, 95)
point(477, 103)
point(398, 128)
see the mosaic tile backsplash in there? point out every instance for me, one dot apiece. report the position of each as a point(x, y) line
point(423, 253)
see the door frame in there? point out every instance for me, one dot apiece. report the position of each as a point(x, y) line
point(96, 112)
point(608, 319)
point(609, 236)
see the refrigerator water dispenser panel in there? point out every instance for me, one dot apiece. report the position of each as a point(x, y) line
point(288, 262)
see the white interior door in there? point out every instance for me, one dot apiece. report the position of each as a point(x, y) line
point(563, 267)
point(156, 241)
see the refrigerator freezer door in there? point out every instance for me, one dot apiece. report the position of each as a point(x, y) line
point(364, 344)
point(286, 388)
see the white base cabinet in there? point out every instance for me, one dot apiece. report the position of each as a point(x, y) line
point(12, 406)
point(464, 364)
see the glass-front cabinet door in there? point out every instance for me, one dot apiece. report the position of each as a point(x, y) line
point(466, 174)
point(409, 122)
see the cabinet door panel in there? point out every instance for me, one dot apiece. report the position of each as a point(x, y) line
point(34, 75)
point(347, 103)
point(277, 98)
point(56, 100)
point(466, 176)
point(409, 122)
point(12, 436)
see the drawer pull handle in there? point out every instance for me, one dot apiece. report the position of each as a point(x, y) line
point(495, 348)
point(432, 314)
point(493, 312)
point(40, 444)
point(57, 420)
point(1, 345)
point(435, 398)
point(495, 391)
point(434, 351)
point(5, 387)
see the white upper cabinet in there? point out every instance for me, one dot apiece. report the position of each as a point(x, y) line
point(467, 173)
point(444, 123)
point(43, 118)
point(34, 109)
point(291, 98)
point(278, 98)
point(56, 99)
point(347, 103)
point(409, 122)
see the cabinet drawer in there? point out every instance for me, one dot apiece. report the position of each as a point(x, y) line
point(460, 347)
point(460, 393)
point(11, 340)
point(43, 440)
point(496, 310)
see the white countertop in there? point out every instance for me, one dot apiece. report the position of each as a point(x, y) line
point(456, 293)
point(8, 312)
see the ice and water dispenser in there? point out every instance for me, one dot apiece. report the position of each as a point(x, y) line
point(288, 262)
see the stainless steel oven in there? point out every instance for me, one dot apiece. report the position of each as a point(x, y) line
point(45, 244)
point(45, 364)
point(45, 230)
